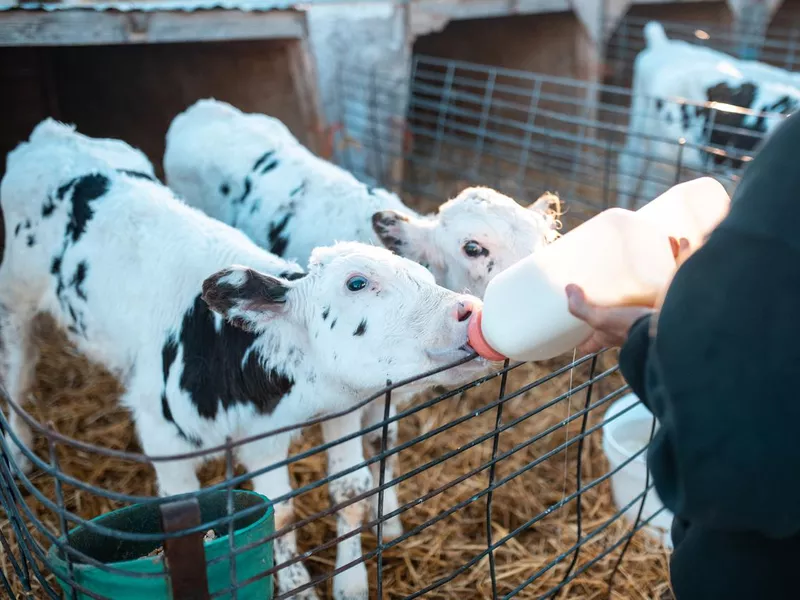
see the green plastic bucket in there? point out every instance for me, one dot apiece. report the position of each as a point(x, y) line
point(132, 556)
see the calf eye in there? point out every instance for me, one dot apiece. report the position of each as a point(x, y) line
point(474, 250)
point(357, 283)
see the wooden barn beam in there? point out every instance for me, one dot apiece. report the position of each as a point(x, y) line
point(86, 27)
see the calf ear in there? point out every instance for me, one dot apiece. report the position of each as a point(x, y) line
point(548, 204)
point(399, 233)
point(245, 297)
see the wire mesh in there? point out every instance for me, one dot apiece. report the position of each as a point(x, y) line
point(503, 488)
point(527, 133)
point(751, 39)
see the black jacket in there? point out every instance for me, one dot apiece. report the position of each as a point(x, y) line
point(722, 375)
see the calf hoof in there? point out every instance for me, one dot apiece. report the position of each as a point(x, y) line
point(293, 577)
point(392, 529)
point(352, 584)
point(309, 594)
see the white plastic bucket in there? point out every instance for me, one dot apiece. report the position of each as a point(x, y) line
point(623, 437)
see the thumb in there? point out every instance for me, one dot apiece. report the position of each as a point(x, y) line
point(578, 305)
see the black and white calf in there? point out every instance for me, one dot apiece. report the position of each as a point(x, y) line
point(249, 171)
point(681, 90)
point(211, 335)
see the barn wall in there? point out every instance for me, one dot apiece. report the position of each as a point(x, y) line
point(542, 43)
point(133, 92)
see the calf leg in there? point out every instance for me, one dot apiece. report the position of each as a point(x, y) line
point(274, 484)
point(18, 357)
point(352, 583)
point(392, 527)
point(159, 438)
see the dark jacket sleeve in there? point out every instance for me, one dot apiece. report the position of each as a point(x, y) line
point(721, 374)
point(633, 357)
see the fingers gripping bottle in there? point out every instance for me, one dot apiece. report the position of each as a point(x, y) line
point(618, 257)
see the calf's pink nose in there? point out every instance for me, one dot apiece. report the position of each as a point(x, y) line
point(464, 309)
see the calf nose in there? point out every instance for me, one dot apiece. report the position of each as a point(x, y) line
point(464, 309)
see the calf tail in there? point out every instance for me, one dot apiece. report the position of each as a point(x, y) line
point(654, 34)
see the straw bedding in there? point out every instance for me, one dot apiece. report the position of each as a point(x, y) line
point(80, 401)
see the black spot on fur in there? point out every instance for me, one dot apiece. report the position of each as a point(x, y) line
point(248, 187)
point(86, 190)
point(685, 116)
point(168, 353)
point(326, 312)
point(362, 327)
point(31, 241)
point(288, 276)
point(48, 207)
point(79, 278)
point(62, 191)
point(263, 160)
point(659, 104)
point(55, 266)
point(333, 323)
point(277, 240)
point(224, 189)
point(17, 229)
point(223, 368)
point(726, 129)
point(137, 174)
point(300, 189)
point(490, 266)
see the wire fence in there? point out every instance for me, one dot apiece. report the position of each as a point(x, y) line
point(753, 39)
point(526, 133)
point(507, 444)
point(502, 484)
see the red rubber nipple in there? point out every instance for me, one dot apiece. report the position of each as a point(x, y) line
point(476, 339)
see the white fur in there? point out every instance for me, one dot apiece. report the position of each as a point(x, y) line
point(669, 74)
point(146, 256)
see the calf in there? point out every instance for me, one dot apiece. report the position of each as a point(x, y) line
point(249, 171)
point(722, 107)
point(212, 336)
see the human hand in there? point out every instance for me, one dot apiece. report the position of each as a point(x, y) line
point(610, 325)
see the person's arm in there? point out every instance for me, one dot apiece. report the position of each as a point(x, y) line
point(633, 357)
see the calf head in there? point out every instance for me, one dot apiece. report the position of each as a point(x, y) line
point(362, 316)
point(472, 238)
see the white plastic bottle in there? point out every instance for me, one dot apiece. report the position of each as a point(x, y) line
point(690, 210)
point(618, 257)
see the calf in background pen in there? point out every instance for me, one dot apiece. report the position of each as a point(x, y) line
point(120, 263)
point(709, 99)
point(249, 171)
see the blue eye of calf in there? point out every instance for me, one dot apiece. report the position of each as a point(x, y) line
point(356, 283)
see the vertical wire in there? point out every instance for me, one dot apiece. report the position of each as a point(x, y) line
point(495, 443)
point(381, 481)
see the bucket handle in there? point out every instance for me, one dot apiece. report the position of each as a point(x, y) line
point(185, 555)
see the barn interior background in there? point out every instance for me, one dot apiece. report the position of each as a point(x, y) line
point(504, 484)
